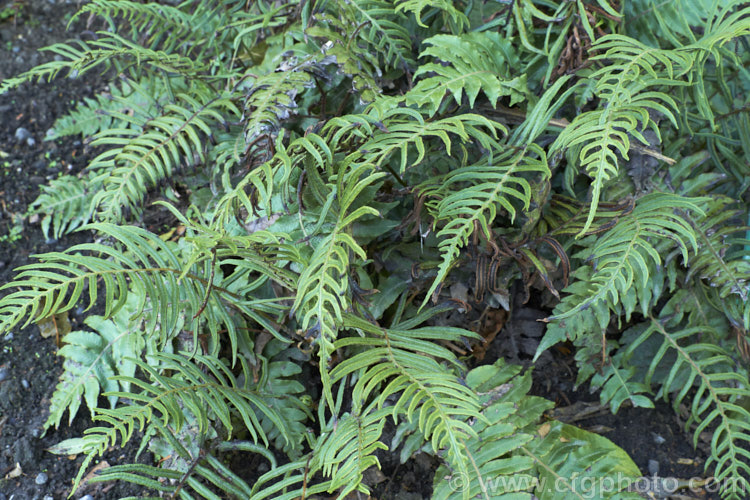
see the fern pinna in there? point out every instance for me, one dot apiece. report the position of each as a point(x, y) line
point(337, 168)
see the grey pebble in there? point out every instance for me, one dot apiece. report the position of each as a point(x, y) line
point(41, 478)
point(4, 373)
point(30, 142)
point(658, 439)
point(48, 497)
point(86, 497)
point(22, 134)
point(9, 336)
point(653, 467)
point(25, 383)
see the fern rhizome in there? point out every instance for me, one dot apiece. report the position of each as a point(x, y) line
point(335, 168)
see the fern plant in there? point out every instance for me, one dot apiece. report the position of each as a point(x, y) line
point(336, 170)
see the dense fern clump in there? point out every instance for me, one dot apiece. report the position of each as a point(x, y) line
point(334, 168)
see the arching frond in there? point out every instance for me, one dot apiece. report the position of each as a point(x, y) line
point(622, 257)
point(186, 31)
point(630, 88)
point(79, 57)
point(150, 268)
point(140, 160)
point(501, 185)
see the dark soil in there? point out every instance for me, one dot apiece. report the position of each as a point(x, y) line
point(29, 366)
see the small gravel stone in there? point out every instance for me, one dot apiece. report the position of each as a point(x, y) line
point(86, 497)
point(658, 439)
point(653, 467)
point(4, 374)
point(41, 478)
point(48, 497)
point(22, 134)
point(25, 384)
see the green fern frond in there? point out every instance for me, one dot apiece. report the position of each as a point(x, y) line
point(204, 386)
point(157, 20)
point(630, 88)
point(174, 139)
point(483, 62)
point(282, 392)
point(384, 29)
point(150, 268)
point(411, 130)
point(207, 475)
point(127, 105)
point(64, 204)
point(349, 450)
point(724, 259)
point(618, 384)
point(622, 257)
point(718, 384)
point(291, 481)
point(323, 284)
point(92, 359)
point(508, 424)
point(457, 19)
point(491, 188)
point(403, 364)
point(110, 48)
